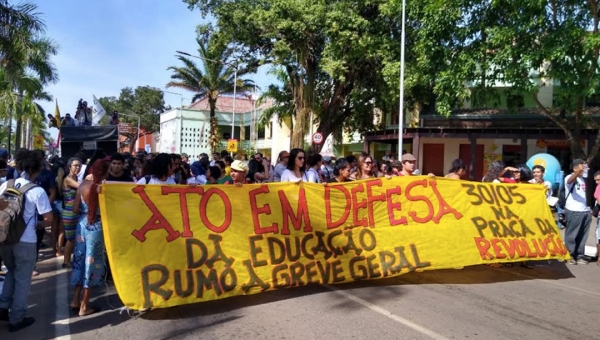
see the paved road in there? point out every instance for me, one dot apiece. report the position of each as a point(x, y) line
point(551, 301)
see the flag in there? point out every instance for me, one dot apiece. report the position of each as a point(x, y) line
point(98, 112)
point(57, 115)
point(328, 149)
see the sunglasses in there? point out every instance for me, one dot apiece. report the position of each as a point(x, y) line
point(369, 163)
point(300, 158)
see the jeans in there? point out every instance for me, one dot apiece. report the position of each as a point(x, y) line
point(19, 260)
point(576, 232)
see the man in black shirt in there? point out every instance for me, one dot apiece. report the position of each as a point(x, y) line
point(116, 173)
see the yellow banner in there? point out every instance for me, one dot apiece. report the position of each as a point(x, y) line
point(173, 245)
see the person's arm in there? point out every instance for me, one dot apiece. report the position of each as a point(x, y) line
point(44, 209)
point(71, 183)
point(575, 175)
point(77, 203)
point(52, 196)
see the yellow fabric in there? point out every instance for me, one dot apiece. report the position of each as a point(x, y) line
point(227, 171)
point(173, 245)
point(57, 115)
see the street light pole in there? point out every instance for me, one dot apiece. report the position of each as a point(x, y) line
point(401, 112)
point(234, 84)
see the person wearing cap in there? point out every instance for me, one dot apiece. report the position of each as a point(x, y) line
point(238, 173)
point(409, 164)
point(198, 173)
point(577, 212)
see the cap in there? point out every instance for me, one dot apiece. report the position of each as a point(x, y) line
point(408, 157)
point(326, 159)
point(185, 155)
point(238, 165)
point(3, 153)
point(197, 169)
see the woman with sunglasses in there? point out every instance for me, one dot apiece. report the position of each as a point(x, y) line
point(295, 167)
point(364, 168)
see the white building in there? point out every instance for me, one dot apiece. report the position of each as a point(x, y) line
point(187, 130)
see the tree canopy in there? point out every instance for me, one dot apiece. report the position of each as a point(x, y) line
point(144, 102)
point(342, 58)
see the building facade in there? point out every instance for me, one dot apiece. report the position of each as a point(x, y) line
point(187, 130)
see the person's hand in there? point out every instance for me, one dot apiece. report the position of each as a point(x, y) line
point(238, 184)
point(431, 175)
point(192, 185)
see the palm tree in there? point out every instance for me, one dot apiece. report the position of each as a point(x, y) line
point(28, 57)
point(16, 24)
point(217, 78)
point(24, 101)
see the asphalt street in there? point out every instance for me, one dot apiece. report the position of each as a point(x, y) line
point(551, 301)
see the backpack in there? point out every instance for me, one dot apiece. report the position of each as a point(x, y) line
point(562, 198)
point(12, 224)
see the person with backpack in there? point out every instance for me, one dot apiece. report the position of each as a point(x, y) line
point(25, 200)
point(577, 212)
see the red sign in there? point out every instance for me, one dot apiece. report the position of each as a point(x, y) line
point(317, 138)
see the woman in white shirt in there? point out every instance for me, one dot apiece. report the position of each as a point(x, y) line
point(295, 167)
point(160, 171)
point(314, 165)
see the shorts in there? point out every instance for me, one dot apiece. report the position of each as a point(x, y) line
point(57, 207)
point(597, 231)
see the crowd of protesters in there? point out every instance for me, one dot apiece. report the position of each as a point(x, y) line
point(65, 201)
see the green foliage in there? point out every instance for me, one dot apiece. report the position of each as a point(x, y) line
point(25, 61)
point(526, 45)
point(342, 57)
point(144, 102)
point(216, 76)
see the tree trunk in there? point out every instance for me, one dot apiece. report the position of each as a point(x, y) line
point(214, 139)
point(19, 117)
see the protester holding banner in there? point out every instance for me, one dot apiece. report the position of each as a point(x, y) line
point(69, 189)
point(364, 167)
point(457, 170)
point(295, 167)
point(224, 178)
point(238, 173)
point(341, 171)
point(213, 174)
point(88, 260)
point(538, 178)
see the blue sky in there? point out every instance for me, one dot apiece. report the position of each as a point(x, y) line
point(110, 44)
